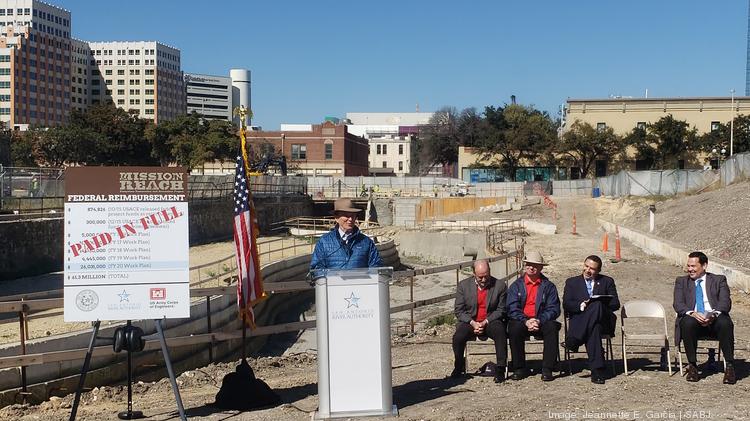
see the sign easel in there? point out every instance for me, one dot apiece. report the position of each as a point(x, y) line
point(126, 257)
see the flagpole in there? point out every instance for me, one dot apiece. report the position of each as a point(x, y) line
point(242, 112)
point(244, 333)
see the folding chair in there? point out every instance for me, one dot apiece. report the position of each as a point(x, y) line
point(609, 353)
point(643, 309)
point(701, 339)
point(481, 345)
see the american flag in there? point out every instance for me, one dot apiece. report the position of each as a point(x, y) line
point(250, 282)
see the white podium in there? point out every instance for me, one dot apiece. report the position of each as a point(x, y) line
point(354, 343)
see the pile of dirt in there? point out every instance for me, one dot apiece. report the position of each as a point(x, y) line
point(716, 222)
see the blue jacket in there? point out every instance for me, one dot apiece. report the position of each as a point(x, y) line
point(332, 253)
point(547, 301)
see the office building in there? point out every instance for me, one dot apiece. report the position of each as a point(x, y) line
point(143, 77)
point(210, 96)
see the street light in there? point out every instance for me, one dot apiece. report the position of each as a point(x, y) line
point(719, 155)
point(731, 128)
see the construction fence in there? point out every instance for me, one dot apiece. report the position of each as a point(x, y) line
point(656, 183)
point(735, 168)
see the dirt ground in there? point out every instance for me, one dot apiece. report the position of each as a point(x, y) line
point(422, 361)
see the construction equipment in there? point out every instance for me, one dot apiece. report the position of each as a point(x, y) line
point(262, 167)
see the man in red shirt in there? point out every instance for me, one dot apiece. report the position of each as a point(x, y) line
point(533, 306)
point(480, 310)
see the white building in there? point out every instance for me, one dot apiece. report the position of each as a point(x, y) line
point(210, 96)
point(390, 137)
point(139, 76)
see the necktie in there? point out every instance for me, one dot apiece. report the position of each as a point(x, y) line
point(590, 286)
point(699, 307)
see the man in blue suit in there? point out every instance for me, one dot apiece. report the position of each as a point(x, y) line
point(533, 306)
point(589, 300)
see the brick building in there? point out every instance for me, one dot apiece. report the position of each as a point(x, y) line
point(317, 149)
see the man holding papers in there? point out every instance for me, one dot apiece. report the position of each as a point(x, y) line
point(589, 300)
point(702, 303)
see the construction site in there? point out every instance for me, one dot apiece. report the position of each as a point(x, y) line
point(430, 230)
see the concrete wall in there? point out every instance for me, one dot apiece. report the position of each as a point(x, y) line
point(62, 378)
point(567, 188)
point(441, 246)
point(37, 244)
point(736, 277)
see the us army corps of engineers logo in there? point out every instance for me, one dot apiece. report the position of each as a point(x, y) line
point(87, 300)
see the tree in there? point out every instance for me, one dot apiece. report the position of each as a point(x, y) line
point(585, 145)
point(720, 137)
point(5, 149)
point(438, 141)
point(22, 149)
point(664, 142)
point(515, 133)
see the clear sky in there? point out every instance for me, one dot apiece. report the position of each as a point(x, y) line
point(310, 59)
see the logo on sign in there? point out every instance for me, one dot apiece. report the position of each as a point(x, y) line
point(158, 293)
point(87, 300)
point(352, 301)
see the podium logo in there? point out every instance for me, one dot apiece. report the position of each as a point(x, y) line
point(352, 301)
point(158, 293)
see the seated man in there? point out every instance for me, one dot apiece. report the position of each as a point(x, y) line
point(533, 305)
point(702, 303)
point(480, 308)
point(589, 300)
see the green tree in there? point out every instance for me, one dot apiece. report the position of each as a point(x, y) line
point(666, 141)
point(720, 137)
point(22, 149)
point(585, 145)
point(517, 133)
point(5, 149)
point(438, 141)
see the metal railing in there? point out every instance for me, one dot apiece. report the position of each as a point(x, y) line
point(25, 307)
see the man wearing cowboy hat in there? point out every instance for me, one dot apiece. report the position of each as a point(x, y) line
point(589, 299)
point(345, 247)
point(533, 306)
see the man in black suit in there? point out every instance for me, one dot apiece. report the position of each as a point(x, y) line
point(480, 309)
point(589, 300)
point(702, 303)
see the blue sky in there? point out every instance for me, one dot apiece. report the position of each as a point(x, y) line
point(311, 59)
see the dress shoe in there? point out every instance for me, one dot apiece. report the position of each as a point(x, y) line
point(692, 373)
point(519, 374)
point(500, 374)
point(457, 373)
point(729, 376)
point(547, 375)
point(597, 376)
point(569, 347)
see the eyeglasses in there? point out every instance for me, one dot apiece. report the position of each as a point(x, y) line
point(346, 215)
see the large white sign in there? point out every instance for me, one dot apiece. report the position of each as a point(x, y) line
point(126, 243)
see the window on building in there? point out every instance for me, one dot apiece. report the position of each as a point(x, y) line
point(379, 149)
point(135, 72)
point(149, 82)
point(385, 164)
point(715, 126)
point(95, 82)
point(148, 72)
point(149, 91)
point(119, 101)
point(95, 92)
point(641, 125)
point(601, 126)
point(120, 81)
point(108, 72)
point(121, 72)
point(149, 101)
point(121, 92)
point(385, 149)
point(299, 151)
point(108, 92)
point(329, 150)
point(400, 165)
point(400, 149)
point(149, 111)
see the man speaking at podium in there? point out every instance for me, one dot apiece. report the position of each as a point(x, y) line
point(345, 246)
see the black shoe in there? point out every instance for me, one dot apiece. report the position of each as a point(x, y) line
point(457, 373)
point(692, 373)
point(500, 374)
point(569, 347)
point(729, 375)
point(597, 376)
point(519, 374)
point(547, 375)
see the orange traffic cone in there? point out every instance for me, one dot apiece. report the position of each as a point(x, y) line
point(605, 242)
point(618, 255)
point(574, 223)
